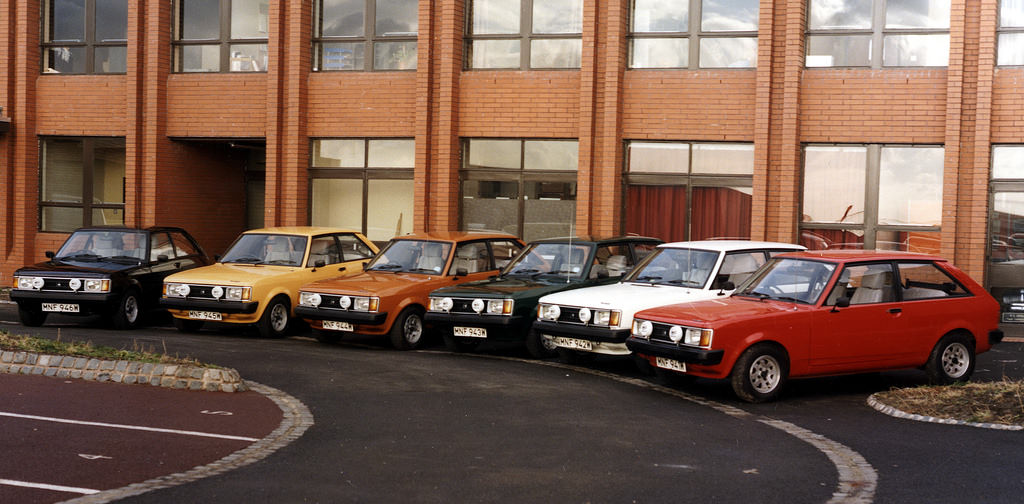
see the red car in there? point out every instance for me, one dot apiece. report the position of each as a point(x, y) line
point(826, 313)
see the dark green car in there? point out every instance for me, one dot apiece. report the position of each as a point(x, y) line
point(505, 306)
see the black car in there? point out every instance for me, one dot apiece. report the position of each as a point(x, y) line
point(117, 272)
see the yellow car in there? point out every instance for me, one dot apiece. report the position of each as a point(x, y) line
point(257, 281)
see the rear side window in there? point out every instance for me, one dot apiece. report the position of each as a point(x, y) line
point(927, 281)
point(183, 245)
point(353, 249)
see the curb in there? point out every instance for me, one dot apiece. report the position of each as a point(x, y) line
point(128, 372)
point(897, 413)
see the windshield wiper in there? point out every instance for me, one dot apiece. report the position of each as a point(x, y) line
point(281, 262)
point(683, 282)
point(525, 271)
point(423, 270)
point(83, 256)
point(391, 267)
point(645, 278)
point(759, 295)
point(124, 258)
point(250, 260)
point(790, 299)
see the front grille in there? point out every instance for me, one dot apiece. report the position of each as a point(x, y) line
point(330, 302)
point(569, 315)
point(56, 284)
point(200, 292)
point(660, 333)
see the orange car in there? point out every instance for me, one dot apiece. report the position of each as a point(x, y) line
point(391, 295)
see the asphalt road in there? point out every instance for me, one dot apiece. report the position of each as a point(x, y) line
point(430, 426)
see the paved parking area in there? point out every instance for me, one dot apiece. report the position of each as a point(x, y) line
point(86, 437)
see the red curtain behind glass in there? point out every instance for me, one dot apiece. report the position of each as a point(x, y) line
point(720, 212)
point(660, 211)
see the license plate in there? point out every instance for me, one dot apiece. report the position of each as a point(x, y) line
point(204, 315)
point(470, 332)
point(60, 307)
point(1013, 317)
point(337, 326)
point(573, 343)
point(672, 364)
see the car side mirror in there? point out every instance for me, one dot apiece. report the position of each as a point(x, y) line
point(602, 274)
point(49, 254)
point(216, 257)
point(319, 263)
point(461, 272)
point(841, 302)
point(726, 286)
point(161, 257)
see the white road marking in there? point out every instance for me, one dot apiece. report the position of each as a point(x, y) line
point(94, 457)
point(44, 486)
point(128, 427)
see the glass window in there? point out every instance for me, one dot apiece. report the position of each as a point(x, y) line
point(927, 281)
point(1011, 33)
point(82, 182)
point(353, 248)
point(501, 36)
point(363, 184)
point(864, 284)
point(503, 251)
point(161, 246)
point(359, 35)
point(522, 187)
point(909, 33)
point(85, 36)
point(182, 245)
point(664, 35)
point(221, 35)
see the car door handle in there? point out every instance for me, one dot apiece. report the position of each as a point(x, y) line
point(895, 310)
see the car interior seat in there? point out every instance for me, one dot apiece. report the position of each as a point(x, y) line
point(616, 265)
point(874, 288)
point(431, 258)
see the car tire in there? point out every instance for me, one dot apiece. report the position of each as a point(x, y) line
point(187, 325)
point(128, 312)
point(408, 330)
point(952, 360)
point(459, 345)
point(760, 373)
point(539, 346)
point(326, 337)
point(30, 317)
point(275, 319)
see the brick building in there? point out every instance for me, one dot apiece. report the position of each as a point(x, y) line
point(891, 124)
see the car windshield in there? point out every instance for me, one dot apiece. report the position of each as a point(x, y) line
point(676, 266)
point(282, 250)
point(787, 279)
point(412, 256)
point(96, 245)
point(554, 259)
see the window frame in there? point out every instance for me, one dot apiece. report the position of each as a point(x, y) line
point(694, 35)
point(90, 44)
point(1007, 30)
point(369, 38)
point(224, 42)
point(88, 169)
point(525, 36)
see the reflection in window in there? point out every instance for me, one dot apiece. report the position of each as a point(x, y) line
point(1006, 231)
point(664, 35)
point(67, 201)
point(85, 36)
point(499, 36)
point(365, 34)
point(203, 43)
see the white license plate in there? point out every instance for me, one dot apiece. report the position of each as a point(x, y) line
point(204, 315)
point(1013, 317)
point(573, 343)
point(470, 332)
point(337, 326)
point(672, 364)
point(60, 307)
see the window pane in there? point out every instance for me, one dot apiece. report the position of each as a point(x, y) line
point(549, 208)
point(495, 153)
point(67, 21)
point(108, 171)
point(61, 219)
point(557, 155)
point(660, 16)
point(338, 153)
point(397, 17)
point(200, 20)
point(838, 51)
point(723, 159)
point(910, 186)
point(495, 16)
point(389, 209)
point(343, 56)
point(659, 157)
point(490, 205)
point(841, 15)
point(111, 20)
point(834, 184)
point(658, 211)
point(249, 19)
point(182, 246)
point(721, 212)
point(558, 16)
point(1011, 49)
point(916, 50)
point(394, 55)
point(248, 57)
point(555, 53)
point(107, 217)
point(917, 13)
point(660, 53)
point(729, 15)
point(1011, 14)
point(65, 60)
point(199, 58)
point(1006, 229)
point(495, 54)
point(924, 242)
point(737, 52)
point(392, 154)
point(337, 203)
point(111, 59)
point(1008, 162)
point(62, 172)
point(342, 18)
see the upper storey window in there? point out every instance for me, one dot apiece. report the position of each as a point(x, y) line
point(878, 33)
point(694, 34)
point(85, 36)
point(220, 35)
point(365, 34)
point(1011, 32)
point(525, 34)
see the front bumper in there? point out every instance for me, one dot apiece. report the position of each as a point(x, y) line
point(503, 326)
point(589, 333)
point(209, 305)
point(688, 355)
point(88, 303)
point(361, 318)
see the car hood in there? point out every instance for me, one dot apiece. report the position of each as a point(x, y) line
point(75, 267)
point(374, 283)
point(718, 312)
point(514, 287)
point(232, 274)
point(630, 297)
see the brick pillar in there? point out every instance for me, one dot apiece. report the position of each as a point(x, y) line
point(437, 183)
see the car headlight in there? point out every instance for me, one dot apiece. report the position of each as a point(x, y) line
point(176, 290)
point(441, 304)
point(237, 293)
point(30, 283)
point(367, 304)
point(478, 305)
point(584, 315)
point(550, 312)
point(698, 337)
point(309, 299)
point(642, 328)
point(97, 285)
point(75, 284)
point(605, 317)
point(499, 306)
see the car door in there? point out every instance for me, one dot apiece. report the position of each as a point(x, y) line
point(342, 254)
point(162, 262)
point(860, 336)
point(929, 298)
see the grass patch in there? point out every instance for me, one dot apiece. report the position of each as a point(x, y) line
point(999, 402)
point(137, 352)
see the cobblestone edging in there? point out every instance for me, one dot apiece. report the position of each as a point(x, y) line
point(129, 372)
point(898, 413)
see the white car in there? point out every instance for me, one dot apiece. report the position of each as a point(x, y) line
point(598, 319)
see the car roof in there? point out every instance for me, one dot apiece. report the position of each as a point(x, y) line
point(600, 241)
point(731, 245)
point(455, 236)
point(299, 230)
point(129, 229)
point(851, 255)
